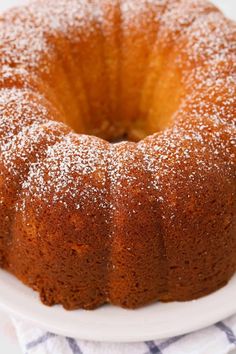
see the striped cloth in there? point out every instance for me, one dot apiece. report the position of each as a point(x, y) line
point(217, 339)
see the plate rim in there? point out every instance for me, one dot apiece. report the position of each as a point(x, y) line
point(38, 314)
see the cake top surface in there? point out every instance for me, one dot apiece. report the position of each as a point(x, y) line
point(200, 143)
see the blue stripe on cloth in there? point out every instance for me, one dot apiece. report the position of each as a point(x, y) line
point(228, 332)
point(74, 346)
point(39, 340)
point(170, 341)
point(157, 349)
point(153, 348)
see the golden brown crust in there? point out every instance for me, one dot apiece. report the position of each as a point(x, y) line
point(83, 221)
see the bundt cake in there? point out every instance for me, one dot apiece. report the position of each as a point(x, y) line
point(118, 150)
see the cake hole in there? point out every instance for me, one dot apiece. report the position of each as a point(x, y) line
point(116, 108)
point(119, 139)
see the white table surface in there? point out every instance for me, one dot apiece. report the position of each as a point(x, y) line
point(8, 339)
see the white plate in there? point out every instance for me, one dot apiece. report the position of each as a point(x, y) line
point(110, 323)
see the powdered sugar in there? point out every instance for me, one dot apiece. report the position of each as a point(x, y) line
point(72, 170)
